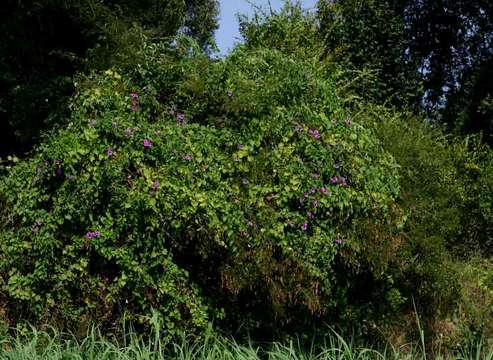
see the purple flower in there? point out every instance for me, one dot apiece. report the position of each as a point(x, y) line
point(180, 118)
point(128, 132)
point(95, 234)
point(323, 190)
point(344, 182)
point(187, 157)
point(347, 122)
point(135, 107)
point(305, 194)
point(334, 180)
point(311, 215)
point(230, 93)
point(316, 175)
point(314, 133)
point(109, 152)
point(114, 125)
point(134, 95)
point(304, 226)
point(147, 143)
point(313, 190)
point(338, 241)
point(298, 127)
point(156, 185)
point(244, 234)
point(314, 203)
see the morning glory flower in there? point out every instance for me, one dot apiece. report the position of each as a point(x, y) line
point(155, 185)
point(147, 143)
point(95, 234)
point(180, 118)
point(314, 133)
point(304, 226)
point(129, 132)
point(109, 152)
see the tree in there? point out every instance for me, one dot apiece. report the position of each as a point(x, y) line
point(46, 42)
point(371, 35)
point(446, 45)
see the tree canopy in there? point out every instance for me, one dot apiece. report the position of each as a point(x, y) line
point(44, 43)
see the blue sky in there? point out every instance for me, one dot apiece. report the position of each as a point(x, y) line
point(227, 34)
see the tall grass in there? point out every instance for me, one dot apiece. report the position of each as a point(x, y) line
point(50, 345)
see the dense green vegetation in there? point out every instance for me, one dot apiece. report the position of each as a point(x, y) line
point(45, 43)
point(286, 190)
point(427, 55)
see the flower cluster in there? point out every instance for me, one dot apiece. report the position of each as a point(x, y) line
point(341, 180)
point(93, 234)
point(314, 133)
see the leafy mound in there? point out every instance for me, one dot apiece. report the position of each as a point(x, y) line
point(230, 190)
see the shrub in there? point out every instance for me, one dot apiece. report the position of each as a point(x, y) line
point(207, 190)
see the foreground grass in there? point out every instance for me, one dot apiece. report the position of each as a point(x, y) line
point(52, 345)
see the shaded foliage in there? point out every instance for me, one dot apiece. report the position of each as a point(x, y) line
point(426, 54)
point(45, 43)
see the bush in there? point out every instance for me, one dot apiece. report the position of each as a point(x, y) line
point(207, 190)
